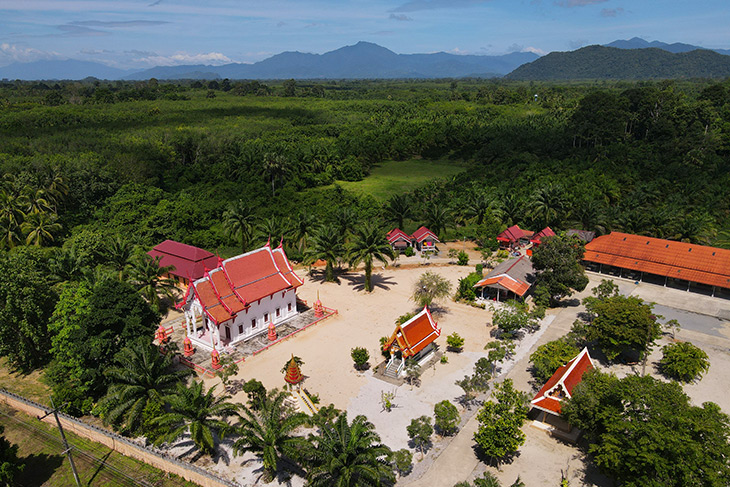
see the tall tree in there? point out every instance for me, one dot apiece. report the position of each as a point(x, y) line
point(326, 244)
point(10, 464)
point(369, 244)
point(430, 287)
point(39, 228)
point(239, 220)
point(398, 208)
point(437, 217)
point(141, 379)
point(275, 167)
point(267, 430)
point(347, 455)
point(199, 413)
point(148, 276)
point(499, 434)
point(559, 272)
point(118, 254)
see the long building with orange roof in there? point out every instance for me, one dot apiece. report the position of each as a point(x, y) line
point(240, 298)
point(666, 262)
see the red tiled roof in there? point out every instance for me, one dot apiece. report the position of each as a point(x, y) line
point(240, 280)
point(512, 234)
point(679, 260)
point(423, 233)
point(415, 334)
point(562, 383)
point(397, 234)
point(189, 262)
point(545, 232)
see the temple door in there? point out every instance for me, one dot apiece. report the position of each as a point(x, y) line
point(228, 333)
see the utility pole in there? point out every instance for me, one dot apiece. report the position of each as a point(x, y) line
point(67, 450)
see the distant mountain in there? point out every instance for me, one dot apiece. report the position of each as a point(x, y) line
point(362, 60)
point(59, 70)
point(677, 47)
point(600, 62)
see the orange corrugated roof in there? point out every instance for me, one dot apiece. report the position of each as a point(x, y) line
point(508, 282)
point(415, 334)
point(562, 383)
point(680, 260)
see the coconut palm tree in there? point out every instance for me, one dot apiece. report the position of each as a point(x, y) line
point(39, 228)
point(346, 454)
point(118, 254)
point(326, 244)
point(346, 220)
point(65, 265)
point(239, 221)
point(197, 412)
point(437, 217)
point(275, 167)
point(302, 229)
point(398, 209)
point(273, 229)
point(268, 431)
point(143, 376)
point(147, 275)
point(369, 243)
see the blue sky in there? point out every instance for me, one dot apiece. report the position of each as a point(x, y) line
point(139, 34)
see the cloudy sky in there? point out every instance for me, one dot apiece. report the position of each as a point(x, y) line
point(144, 33)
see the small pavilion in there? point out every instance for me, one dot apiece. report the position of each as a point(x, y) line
point(190, 263)
point(514, 236)
point(399, 239)
point(425, 240)
point(560, 386)
point(414, 339)
point(511, 279)
point(536, 239)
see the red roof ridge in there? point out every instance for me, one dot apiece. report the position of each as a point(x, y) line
point(411, 349)
point(422, 232)
point(551, 404)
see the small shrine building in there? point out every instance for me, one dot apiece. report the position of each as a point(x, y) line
point(414, 339)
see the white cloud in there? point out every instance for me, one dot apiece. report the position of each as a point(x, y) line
point(13, 53)
point(400, 17)
point(215, 58)
point(534, 50)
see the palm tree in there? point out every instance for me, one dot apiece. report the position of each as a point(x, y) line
point(589, 215)
point(479, 206)
point(273, 229)
point(437, 217)
point(197, 412)
point(348, 455)
point(302, 228)
point(39, 228)
point(398, 209)
point(548, 204)
point(268, 431)
point(147, 275)
point(327, 244)
point(65, 265)
point(511, 208)
point(142, 377)
point(239, 221)
point(346, 220)
point(369, 243)
point(118, 254)
point(275, 167)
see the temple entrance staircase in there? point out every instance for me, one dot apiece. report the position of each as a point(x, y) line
point(392, 369)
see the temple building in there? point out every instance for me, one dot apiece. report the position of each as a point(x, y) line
point(414, 339)
point(560, 386)
point(240, 297)
point(511, 279)
point(189, 263)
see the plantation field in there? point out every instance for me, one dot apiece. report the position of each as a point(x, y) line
point(395, 177)
point(41, 450)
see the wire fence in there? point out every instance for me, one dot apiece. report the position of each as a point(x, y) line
point(149, 455)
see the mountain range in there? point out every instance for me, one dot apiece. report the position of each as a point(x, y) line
point(366, 60)
point(610, 63)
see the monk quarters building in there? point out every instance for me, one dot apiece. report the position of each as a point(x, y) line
point(681, 265)
point(239, 298)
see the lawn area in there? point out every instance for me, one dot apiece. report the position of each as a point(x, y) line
point(41, 449)
point(395, 177)
point(28, 385)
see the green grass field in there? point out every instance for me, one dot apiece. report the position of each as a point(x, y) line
point(40, 448)
point(394, 177)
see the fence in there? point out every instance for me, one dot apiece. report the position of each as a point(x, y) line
point(118, 443)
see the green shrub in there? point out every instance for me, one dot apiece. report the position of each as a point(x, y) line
point(683, 362)
point(409, 252)
point(447, 418)
point(455, 342)
point(551, 356)
point(466, 287)
point(463, 258)
point(360, 356)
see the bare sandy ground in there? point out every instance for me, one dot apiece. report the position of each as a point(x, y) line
point(365, 317)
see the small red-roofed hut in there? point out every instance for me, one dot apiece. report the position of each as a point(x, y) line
point(414, 339)
point(560, 386)
point(545, 232)
point(425, 240)
point(512, 237)
point(189, 262)
point(399, 240)
point(511, 279)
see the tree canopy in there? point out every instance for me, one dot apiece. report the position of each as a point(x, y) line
point(559, 272)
